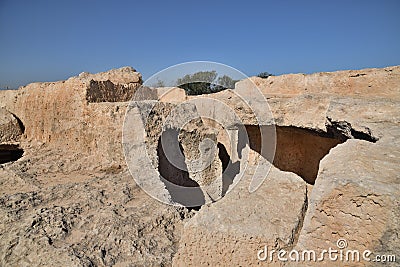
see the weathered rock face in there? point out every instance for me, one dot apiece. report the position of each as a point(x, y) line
point(61, 114)
point(70, 200)
point(376, 83)
point(10, 129)
point(171, 94)
point(106, 91)
point(92, 219)
point(233, 229)
point(357, 182)
point(124, 75)
point(180, 149)
point(295, 147)
point(351, 200)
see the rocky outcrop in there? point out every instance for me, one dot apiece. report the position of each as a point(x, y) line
point(233, 229)
point(376, 83)
point(351, 200)
point(61, 115)
point(356, 187)
point(70, 199)
point(11, 128)
point(92, 219)
point(124, 75)
point(180, 150)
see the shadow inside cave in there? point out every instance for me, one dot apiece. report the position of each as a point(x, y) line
point(229, 169)
point(10, 153)
point(175, 176)
point(297, 150)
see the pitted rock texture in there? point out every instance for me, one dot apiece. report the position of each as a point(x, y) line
point(356, 187)
point(219, 235)
point(10, 128)
point(124, 75)
point(70, 200)
point(55, 211)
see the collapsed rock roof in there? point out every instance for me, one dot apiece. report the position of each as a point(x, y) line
point(70, 199)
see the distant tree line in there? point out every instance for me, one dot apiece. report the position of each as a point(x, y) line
point(264, 75)
point(205, 82)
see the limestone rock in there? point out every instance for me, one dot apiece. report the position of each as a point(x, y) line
point(124, 75)
point(67, 119)
point(356, 190)
point(351, 200)
point(171, 94)
point(374, 83)
point(234, 229)
point(70, 200)
point(10, 129)
point(100, 220)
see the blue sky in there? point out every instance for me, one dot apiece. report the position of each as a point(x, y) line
point(53, 40)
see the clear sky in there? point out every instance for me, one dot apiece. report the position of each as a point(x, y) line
point(53, 40)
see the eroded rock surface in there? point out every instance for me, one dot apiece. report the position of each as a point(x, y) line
point(356, 188)
point(93, 219)
point(232, 229)
point(71, 200)
point(10, 128)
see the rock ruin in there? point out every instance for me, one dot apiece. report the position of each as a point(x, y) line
point(69, 198)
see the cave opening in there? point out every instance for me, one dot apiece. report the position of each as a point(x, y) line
point(174, 174)
point(297, 150)
point(10, 153)
point(229, 169)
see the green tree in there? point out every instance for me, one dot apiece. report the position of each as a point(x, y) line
point(204, 82)
point(158, 83)
point(264, 74)
point(226, 82)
